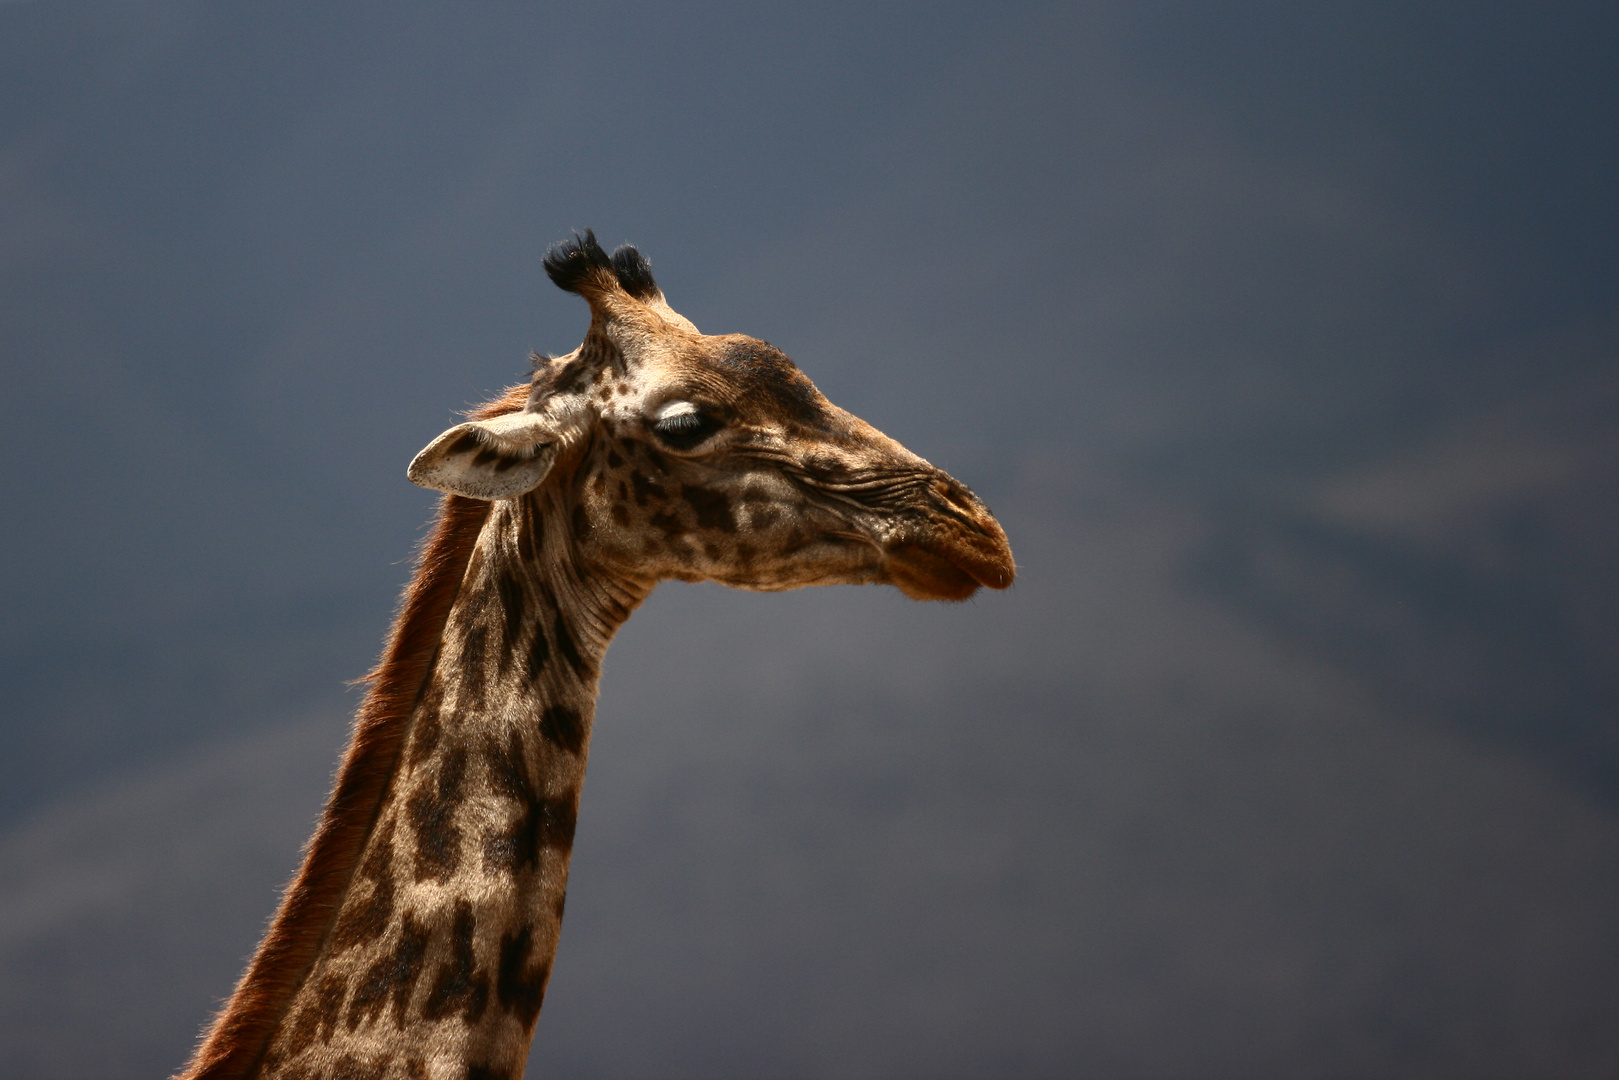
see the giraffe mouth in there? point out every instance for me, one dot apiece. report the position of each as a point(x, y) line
point(951, 564)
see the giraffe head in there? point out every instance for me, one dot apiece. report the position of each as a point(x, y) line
point(677, 454)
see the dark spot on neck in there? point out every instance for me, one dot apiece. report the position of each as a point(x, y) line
point(541, 822)
point(365, 920)
point(539, 651)
point(563, 637)
point(459, 986)
point(510, 588)
point(528, 535)
point(474, 592)
point(564, 728)
point(432, 815)
point(473, 676)
point(424, 733)
point(393, 975)
point(318, 1019)
point(520, 986)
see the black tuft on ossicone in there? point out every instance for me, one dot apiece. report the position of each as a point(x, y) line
point(634, 272)
point(569, 262)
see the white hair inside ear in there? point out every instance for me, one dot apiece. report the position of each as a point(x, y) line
point(499, 458)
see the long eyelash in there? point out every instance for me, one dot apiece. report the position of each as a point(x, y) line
point(683, 422)
point(685, 430)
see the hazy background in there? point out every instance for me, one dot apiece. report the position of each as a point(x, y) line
point(1281, 337)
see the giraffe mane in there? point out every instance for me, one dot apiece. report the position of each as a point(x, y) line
point(240, 1034)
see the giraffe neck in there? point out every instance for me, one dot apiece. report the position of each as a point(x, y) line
point(437, 961)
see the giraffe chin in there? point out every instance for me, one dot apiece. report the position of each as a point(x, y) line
point(927, 573)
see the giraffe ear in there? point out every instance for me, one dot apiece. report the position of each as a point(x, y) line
point(489, 459)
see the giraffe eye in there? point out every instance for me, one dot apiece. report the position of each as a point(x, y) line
point(685, 430)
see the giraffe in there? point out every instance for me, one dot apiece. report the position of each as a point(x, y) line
point(416, 940)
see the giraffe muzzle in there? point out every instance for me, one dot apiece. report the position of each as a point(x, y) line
point(955, 548)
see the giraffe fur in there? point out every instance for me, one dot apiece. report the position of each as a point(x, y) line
point(417, 939)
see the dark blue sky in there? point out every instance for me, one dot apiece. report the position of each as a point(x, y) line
point(1281, 336)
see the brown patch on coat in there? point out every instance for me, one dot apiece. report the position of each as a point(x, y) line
point(461, 986)
point(519, 986)
point(712, 507)
point(392, 975)
point(425, 732)
point(564, 728)
point(365, 920)
point(432, 813)
point(318, 1020)
point(541, 822)
point(350, 1067)
point(562, 636)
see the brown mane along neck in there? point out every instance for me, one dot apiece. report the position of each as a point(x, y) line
point(236, 1043)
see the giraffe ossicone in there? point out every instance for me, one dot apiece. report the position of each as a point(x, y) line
point(417, 938)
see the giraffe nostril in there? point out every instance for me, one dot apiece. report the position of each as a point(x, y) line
point(954, 494)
